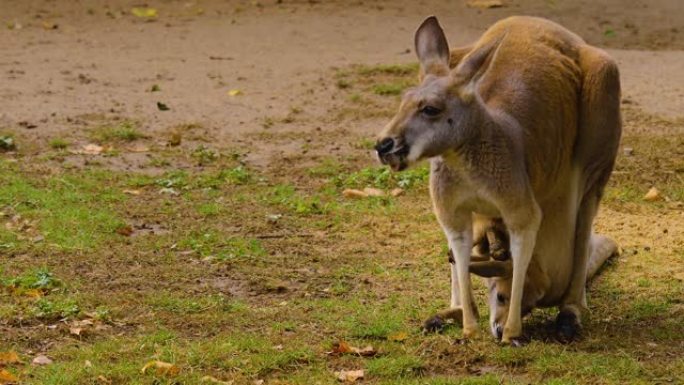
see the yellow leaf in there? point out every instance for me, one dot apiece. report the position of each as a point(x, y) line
point(161, 368)
point(10, 357)
point(7, 377)
point(33, 293)
point(485, 4)
point(234, 92)
point(215, 380)
point(398, 337)
point(146, 13)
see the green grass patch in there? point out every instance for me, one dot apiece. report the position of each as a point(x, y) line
point(285, 195)
point(410, 69)
point(59, 143)
point(71, 210)
point(188, 305)
point(588, 367)
point(7, 143)
point(395, 366)
point(126, 131)
point(644, 308)
point(40, 278)
point(52, 309)
point(388, 89)
point(384, 178)
point(216, 246)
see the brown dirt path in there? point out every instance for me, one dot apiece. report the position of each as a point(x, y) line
point(102, 60)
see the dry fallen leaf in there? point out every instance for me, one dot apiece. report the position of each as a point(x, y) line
point(126, 230)
point(132, 192)
point(91, 149)
point(8, 358)
point(398, 337)
point(103, 380)
point(373, 192)
point(349, 375)
point(351, 193)
point(485, 4)
point(48, 25)
point(41, 360)
point(161, 368)
point(653, 195)
point(342, 347)
point(396, 192)
point(75, 331)
point(215, 380)
point(7, 377)
point(234, 92)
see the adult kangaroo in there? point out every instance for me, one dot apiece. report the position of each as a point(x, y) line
point(525, 127)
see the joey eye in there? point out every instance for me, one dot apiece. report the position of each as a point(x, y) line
point(501, 299)
point(430, 111)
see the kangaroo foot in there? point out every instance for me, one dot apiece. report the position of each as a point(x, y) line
point(568, 327)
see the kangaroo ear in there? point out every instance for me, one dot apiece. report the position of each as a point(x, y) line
point(489, 269)
point(432, 48)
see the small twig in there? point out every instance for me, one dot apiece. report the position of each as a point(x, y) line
point(275, 236)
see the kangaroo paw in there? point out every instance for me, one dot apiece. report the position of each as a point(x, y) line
point(436, 323)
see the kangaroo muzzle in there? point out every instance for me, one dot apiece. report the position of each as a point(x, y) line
point(393, 153)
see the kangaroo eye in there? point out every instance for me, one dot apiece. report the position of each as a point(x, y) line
point(500, 299)
point(431, 111)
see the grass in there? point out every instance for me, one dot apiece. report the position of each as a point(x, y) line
point(256, 271)
point(387, 89)
point(372, 91)
point(7, 143)
point(59, 143)
point(70, 211)
point(126, 131)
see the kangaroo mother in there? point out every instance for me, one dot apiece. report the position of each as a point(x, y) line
point(525, 127)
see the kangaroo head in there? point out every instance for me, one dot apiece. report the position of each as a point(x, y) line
point(499, 282)
point(434, 116)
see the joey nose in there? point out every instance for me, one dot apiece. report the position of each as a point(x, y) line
point(384, 146)
point(499, 332)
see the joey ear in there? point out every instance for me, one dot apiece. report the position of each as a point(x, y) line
point(489, 269)
point(474, 62)
point(432, 48)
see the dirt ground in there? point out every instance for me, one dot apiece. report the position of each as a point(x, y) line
point(213, 115)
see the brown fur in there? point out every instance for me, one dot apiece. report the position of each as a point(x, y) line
point(524, 126)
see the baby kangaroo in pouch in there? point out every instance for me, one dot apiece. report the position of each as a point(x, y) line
point(522, 126)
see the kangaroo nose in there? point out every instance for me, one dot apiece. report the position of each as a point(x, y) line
point(384, 146)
